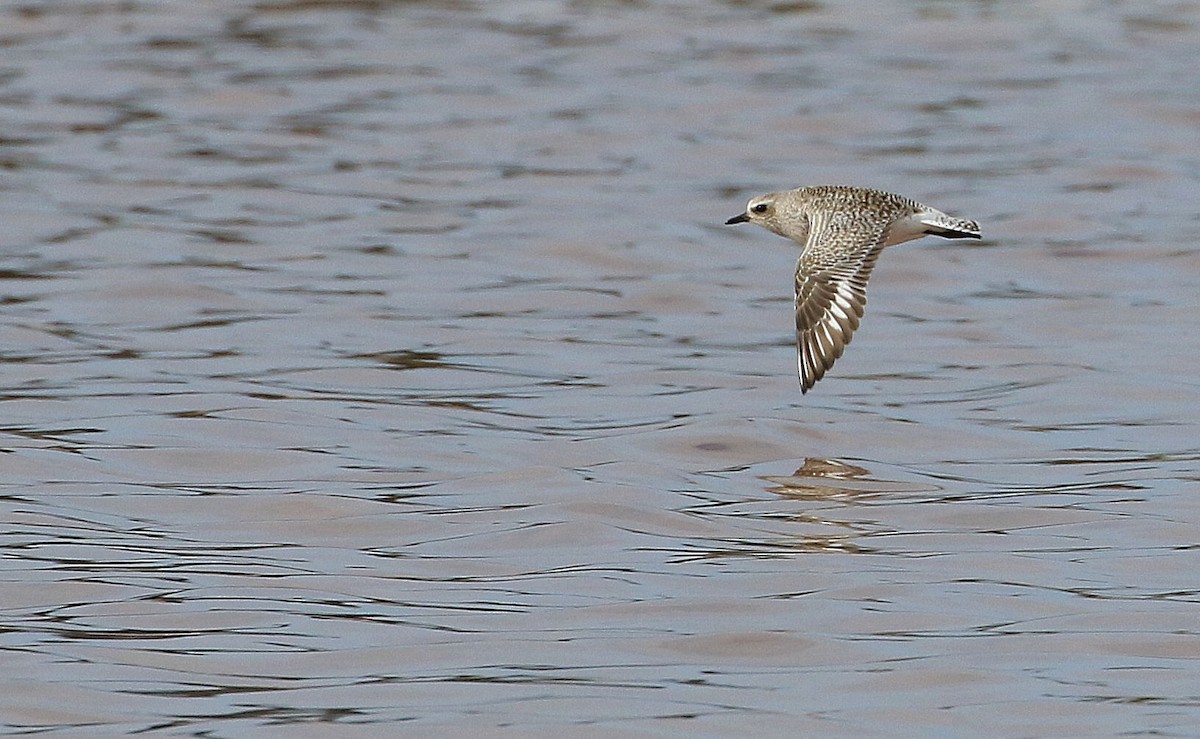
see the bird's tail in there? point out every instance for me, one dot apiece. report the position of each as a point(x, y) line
point(938, 223)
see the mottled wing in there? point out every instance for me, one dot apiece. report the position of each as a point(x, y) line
point(831, 289)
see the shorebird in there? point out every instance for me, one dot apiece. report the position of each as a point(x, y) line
point(842, 231)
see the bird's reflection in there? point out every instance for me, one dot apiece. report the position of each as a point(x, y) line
point(819, 508)
point(825, 506)
point(831, 478)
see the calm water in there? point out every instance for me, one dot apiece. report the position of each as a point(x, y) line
point(383, 368)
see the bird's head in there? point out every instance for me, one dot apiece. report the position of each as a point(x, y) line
point(762, 211)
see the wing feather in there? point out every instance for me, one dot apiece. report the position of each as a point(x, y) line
point(831, 289)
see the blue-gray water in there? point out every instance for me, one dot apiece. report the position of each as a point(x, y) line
point(383, 368)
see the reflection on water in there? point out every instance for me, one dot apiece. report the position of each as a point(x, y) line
point(827, 478)
point(387, 366)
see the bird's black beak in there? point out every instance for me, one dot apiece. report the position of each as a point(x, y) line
point(739, 218)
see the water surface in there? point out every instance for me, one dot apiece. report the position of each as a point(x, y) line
point(379, 368)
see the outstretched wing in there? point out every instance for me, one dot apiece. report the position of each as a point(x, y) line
point(831, 289)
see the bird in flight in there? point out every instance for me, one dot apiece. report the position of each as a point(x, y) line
point(842, 230)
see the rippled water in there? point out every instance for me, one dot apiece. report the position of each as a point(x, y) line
point(379, 368)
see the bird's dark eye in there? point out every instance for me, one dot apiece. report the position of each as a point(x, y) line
point(760, 208)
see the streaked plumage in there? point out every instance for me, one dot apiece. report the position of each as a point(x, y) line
point(842, 230)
